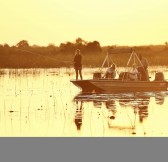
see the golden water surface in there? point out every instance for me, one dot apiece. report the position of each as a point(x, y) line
point(44, 103)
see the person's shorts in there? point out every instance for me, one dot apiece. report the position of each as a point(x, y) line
point(78, 67)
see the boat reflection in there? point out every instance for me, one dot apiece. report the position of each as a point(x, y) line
point(122, 111)
point(139, 103)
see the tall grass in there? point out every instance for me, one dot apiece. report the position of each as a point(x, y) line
point(31, 60)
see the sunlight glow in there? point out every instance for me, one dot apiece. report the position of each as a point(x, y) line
point(111, 22)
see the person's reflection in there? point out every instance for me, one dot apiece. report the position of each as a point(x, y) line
point(97, 104)
point(138, 103)
point(111, 106)
point(159, 98)
point(79, 115)
point(143, 107)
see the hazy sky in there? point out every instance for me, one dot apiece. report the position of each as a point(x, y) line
point(120, 22)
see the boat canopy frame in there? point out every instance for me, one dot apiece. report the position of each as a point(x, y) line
point(133, 56)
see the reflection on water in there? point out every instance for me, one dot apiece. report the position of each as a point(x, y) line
point(78, 115)
point(139, 103)
point(159, 98)
point(110, 105)
point(43, 102)
point(128, 113)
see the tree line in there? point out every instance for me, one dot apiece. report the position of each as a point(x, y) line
point(22, 55)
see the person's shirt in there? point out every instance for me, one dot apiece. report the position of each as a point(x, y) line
point(77, 60)
point(133, 74)
point(110, 71)
point(144, 62)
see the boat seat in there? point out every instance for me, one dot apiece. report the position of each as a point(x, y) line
point(124, 76)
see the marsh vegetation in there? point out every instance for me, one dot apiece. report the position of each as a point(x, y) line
point(22, 55)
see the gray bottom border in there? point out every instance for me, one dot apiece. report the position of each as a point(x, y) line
point(83, 149)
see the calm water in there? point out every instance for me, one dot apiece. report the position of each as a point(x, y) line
point(43, 102)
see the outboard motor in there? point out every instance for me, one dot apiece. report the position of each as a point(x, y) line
point(159, 76)
point(96, 75)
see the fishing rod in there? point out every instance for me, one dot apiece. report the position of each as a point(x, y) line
point(53, 59)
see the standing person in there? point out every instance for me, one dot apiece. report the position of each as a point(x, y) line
point(143, 68)
point(78, 64)
point(144, 62)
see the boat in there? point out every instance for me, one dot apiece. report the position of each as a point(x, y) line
point(123, 84)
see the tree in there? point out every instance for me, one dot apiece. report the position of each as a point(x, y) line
point(80, 44)
point(166, 45)
point(67, 47)
point(22, 44)
point(51, 45)
point(80, 41)
point(93, 46)
point(6, 45)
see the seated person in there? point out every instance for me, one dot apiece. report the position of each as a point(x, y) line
point(133, 75)
point(110, 72)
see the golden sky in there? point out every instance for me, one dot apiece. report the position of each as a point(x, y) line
point(111, 22)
